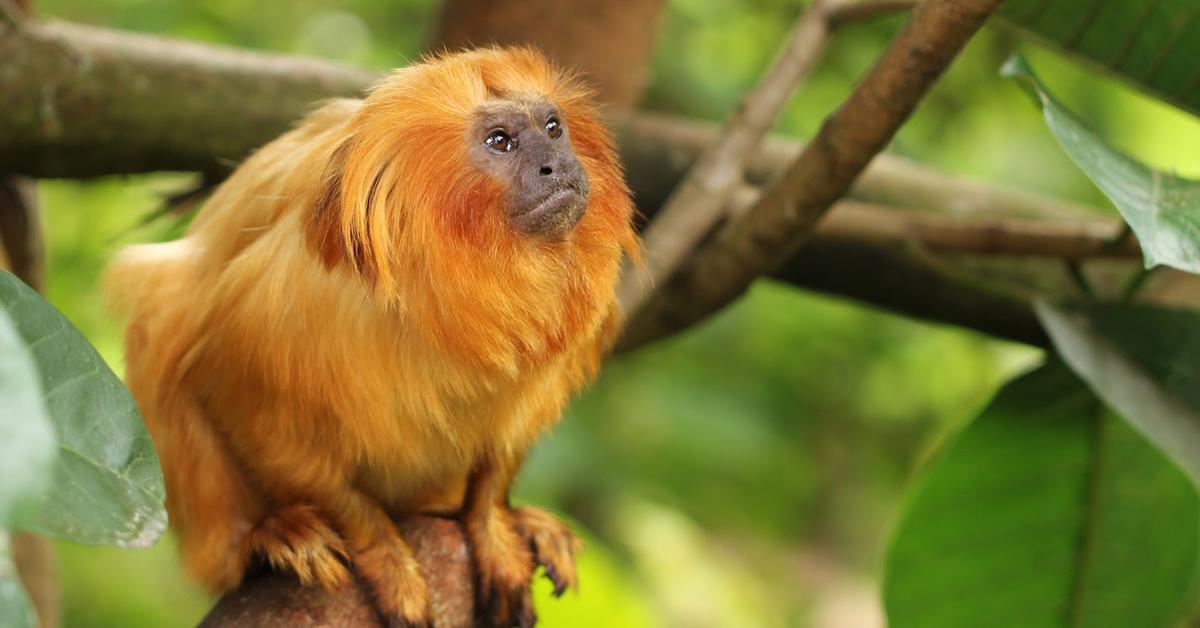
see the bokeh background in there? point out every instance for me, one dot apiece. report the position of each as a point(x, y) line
point(745, 473)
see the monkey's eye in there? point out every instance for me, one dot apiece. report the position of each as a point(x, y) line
point(553, 128)
point(499, 142)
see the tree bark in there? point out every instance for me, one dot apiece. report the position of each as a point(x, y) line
point(274, 600)
point(81, 101)
point(21, 230)
point(610, 41)
point(22, 252)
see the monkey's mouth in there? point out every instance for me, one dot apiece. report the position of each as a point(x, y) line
point(554, 215)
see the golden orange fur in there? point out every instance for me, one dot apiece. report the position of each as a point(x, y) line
point(351, 332)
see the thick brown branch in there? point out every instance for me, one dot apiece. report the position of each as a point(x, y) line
point(761, 241)
point(897, 281)
point(82, 101)
point(272, 600)
point(698, 202)
point(610, 42)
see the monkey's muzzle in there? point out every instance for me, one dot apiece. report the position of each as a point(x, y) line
point(556, 214)
point(554, 196)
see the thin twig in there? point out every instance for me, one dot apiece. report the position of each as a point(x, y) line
point(12, 13)
point(980, 235)
point(975, 234)
point(851, 11)
point(666, 145)
point(1136, 284)
point(1075, 272)
point(697, 203)
point(759, 242)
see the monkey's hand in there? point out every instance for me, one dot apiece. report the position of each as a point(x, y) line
point(503, 569)
point(554, 545)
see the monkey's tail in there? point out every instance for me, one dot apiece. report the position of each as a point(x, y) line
point(211, 509)
point(141, 270)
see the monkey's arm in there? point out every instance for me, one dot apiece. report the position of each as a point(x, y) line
point(508, 543)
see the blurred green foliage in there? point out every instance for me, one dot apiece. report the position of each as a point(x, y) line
point(744, 473)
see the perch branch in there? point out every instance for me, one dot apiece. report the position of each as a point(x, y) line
point(272, 600)
point(760, 242)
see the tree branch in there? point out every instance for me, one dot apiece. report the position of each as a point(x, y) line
point(610, 42)
point(895, 280)
point(699, 201)
point(760, 242)
point(21, 230)
point(12, 12)
point(850, 11)
point(273, 600)
point(83, 101)
point(657, 149)
point(980, 235)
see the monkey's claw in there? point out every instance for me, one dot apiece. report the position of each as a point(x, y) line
point(553, 545)
point(401, 622)
point(505, 605)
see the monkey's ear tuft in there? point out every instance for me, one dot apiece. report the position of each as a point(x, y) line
point(330, 230)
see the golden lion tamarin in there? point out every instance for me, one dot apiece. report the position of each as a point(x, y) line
point(375, 316)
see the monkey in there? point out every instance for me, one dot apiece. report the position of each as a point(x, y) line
point(375, 316)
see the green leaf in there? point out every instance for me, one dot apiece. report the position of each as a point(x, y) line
point(107, 487)
point(15, 610)
point(26, 436)
point(1153, 44)
point(1048, 510)
point(1144, 361)
point(1161, 208)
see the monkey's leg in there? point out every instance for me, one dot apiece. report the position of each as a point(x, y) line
point(211, 507)
point(503, 561)
point(382, 558)
point(554, 545)
point(311, 481)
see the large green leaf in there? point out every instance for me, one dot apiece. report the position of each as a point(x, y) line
point(1048, 510)
point(1161, 208)
point(1144, 361)
point(15, 610)
point(107, 487)
point(1154, 44)
point(26, 437)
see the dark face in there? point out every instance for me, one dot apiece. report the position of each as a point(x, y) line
point(525, 144)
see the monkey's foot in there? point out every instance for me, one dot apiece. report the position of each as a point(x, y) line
point(503, 570)
point(554, 545)
point(297, 539)
point(394, 578)
point(397, 587)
